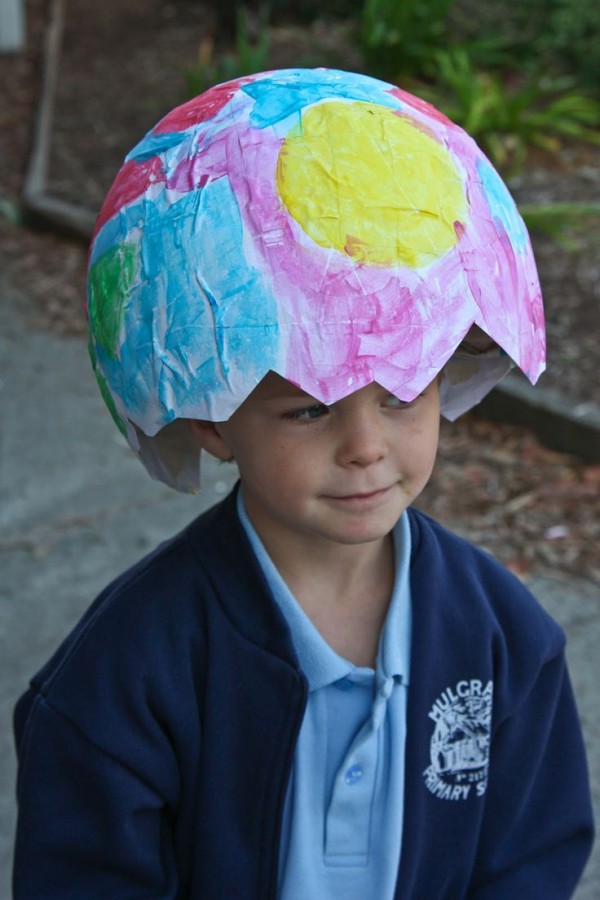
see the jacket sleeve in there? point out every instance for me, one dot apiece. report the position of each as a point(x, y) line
point(538, 828)
point(89, 827)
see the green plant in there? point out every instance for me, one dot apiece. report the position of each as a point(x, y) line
point(10, 211)
point(249, 55)
point(400, 37)
point(309, 10)
point(499, 35)
point(508, 118)
point(559, 220)
point(572, 37)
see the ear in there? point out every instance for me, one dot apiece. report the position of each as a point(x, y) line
point(209, 437)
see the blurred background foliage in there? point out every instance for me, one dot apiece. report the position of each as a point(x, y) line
point(515, 76)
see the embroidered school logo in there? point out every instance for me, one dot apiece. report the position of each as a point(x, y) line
point(460, 744)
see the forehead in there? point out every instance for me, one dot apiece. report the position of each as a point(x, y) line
point(273, 387)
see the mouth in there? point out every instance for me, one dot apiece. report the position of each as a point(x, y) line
point(363, 497)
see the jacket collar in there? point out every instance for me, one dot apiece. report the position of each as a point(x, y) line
point(221, 547)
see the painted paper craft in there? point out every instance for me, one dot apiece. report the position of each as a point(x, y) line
point(324, 225)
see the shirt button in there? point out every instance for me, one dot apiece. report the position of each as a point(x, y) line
point(354, 774)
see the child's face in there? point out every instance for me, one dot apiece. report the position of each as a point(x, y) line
point(341, 473)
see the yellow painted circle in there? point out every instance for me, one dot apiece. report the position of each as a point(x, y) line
point(361, 179)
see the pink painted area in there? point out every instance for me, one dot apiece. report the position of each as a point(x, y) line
point(193, 165)
point(201, 108)
point(421, 106)
point(398, 335)
point(132, 180)
point(501, 279)
point(188, 177)
point(505, 286)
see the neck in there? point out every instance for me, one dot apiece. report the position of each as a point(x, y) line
point(345, 590)
point(335, 569)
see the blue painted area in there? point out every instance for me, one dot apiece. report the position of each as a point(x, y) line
point(197, 309)
point(245, 312)
point(116, 230)
point(502, 206)
point(195, 136)
point(284, 94)
point(154, 144)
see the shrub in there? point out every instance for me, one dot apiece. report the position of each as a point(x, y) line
point(507, 118)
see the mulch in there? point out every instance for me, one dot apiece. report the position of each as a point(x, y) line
point(121, 68)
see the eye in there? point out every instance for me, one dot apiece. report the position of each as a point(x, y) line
point(307, 413)
point(392, 402)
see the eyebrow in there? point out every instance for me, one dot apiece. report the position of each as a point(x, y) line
point(293, 398)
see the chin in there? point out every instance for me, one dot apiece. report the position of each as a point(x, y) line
point(357, 536)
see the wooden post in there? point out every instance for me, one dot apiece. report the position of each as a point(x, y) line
point(12, 26)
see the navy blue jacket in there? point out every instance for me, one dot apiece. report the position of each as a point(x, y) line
point(155, 747)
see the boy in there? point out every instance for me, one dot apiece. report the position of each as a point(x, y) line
point(314, 691)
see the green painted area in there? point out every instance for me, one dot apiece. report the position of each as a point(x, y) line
point(109, 284)
point(105, 390)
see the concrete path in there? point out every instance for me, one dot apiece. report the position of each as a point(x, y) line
point(76, 508)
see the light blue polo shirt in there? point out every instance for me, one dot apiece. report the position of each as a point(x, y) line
point(343, 815)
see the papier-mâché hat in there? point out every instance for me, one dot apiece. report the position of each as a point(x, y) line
point(321, 224)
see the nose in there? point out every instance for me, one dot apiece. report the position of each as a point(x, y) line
point(362, 440)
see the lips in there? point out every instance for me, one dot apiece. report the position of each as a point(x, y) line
point(362, 496)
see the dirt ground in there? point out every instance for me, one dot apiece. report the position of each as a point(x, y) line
point(122, 67)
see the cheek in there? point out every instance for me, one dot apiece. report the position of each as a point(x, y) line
point(430, 447)
point(422, 449)
point(272, 464)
